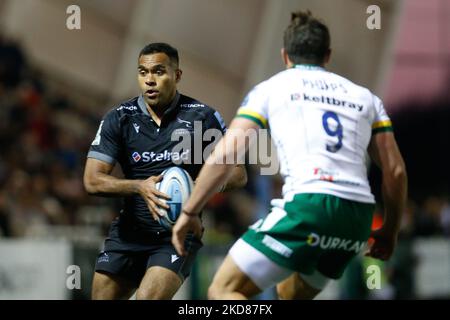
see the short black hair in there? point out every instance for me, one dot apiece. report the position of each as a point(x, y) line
point(306, 39)
point(160, 47)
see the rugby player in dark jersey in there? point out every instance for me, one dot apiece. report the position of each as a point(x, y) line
point(141, 135)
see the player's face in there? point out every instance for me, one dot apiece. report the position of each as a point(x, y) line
point(157, 78)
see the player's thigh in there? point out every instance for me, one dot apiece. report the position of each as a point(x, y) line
point(296, 288)
point(107, 286)
point(246, 270)
point(159, 283)
point(230, 282)
point(117, 274)
point(166, 270)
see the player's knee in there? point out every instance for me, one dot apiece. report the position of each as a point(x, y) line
point(96, 294)
point(155, 294)
point(141, 294)
point(148, 294)
point(100, 289)
point(215, 291)
point(294, 288)
point(103, 293)
point(288, 293)
point(212, 293)
point(145, 294)
point(283, 292)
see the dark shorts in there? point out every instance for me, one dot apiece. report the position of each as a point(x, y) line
point(129, 255)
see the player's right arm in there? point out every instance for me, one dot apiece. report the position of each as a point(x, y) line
point(99, 181)
point(384, 151)
point(102, 156)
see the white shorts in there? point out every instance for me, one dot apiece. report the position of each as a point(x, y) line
point(264, 272)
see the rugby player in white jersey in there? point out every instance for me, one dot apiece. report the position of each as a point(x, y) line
point(323, 126)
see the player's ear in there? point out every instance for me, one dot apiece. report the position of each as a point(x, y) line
point(284, 57)
point(178, 74)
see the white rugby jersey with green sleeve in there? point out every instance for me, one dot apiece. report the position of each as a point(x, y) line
point(321, 124)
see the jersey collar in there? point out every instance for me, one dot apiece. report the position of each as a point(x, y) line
point(173, 105)
point(308, 67)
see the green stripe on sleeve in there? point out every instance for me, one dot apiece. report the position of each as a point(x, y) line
point(254, 119)
point(382, 129)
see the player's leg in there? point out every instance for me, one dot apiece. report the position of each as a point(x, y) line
point(270, 251)
point(230, 283)
point(344, 222)
point(117, 274)
point(159, 283)
point(166, 270)
point(107, 286)
point(296, 288)
point(244, 273)
point(337, 230)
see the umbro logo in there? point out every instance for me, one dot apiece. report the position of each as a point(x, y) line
point(136, 127)
point(174, 258)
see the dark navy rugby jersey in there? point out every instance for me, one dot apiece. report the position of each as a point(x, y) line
point(128, 135)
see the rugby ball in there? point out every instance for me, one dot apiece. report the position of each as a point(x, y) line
point(178, 185)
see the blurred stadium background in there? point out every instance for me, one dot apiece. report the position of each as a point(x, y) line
point(56, 83)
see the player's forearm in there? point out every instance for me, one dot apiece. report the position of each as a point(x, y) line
point(238, 178)
point(106, 185)
point(394, 196)
point(209, 181)
point(218, 168)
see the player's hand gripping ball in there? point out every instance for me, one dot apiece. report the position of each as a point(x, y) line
point(178, 185)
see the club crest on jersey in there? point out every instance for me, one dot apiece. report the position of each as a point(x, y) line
point(136, 156)
point(188, 124)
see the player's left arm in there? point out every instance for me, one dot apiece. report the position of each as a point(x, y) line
point(215, 172)
point(221, 164)
point(385, 153)
point(238, 178)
